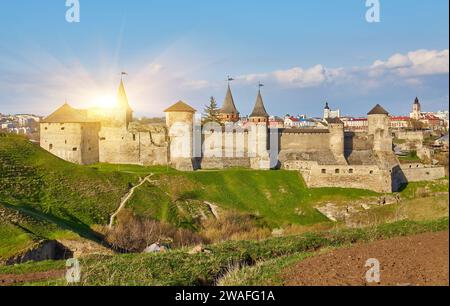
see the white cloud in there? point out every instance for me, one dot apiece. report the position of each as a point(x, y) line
point(413, 64)
point(297, 76)
point(407, 68)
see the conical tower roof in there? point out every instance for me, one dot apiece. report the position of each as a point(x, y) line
point(180, 106)
point(122, 100)
point(228, 105)
point(416, 101)
point(259, 110)
point(378, 110)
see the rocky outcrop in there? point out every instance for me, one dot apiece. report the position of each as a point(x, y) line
point(42, 250)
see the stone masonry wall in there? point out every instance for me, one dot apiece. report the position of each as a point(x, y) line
point(420, 172)
point(74, 142)
point(120, 146)
point(305, 141)
point(360, 177)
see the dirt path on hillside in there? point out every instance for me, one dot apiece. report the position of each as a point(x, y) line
point(128, 197)
point(14, 279)
point(416, 260)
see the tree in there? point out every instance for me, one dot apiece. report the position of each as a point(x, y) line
point(417, 125)
point(211, 111)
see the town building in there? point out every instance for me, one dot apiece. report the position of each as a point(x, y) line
point(328, 113)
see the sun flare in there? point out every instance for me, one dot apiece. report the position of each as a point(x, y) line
point(105, 101)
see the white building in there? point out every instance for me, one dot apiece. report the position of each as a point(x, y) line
point(328, 113)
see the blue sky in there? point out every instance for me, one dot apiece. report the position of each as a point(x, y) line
point(305, 52)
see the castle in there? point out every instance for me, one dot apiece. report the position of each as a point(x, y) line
point(326, 157)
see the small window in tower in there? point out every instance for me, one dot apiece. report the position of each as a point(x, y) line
point(350, 171)
point(75, 149)
point(134, 137)
point(371, 172)
point(63, 128)
point(65, 141)
point(337, 171)
point(50, 146)
point(46, 128)
point(324, 171)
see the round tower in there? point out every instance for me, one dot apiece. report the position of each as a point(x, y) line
point(179, 121)
point(258, 124)
point(336, 129)
point(379, 126)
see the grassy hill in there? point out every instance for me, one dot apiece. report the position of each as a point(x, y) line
point(52, 198)
point(59, 199)
point(277, 197)
point(33, 179)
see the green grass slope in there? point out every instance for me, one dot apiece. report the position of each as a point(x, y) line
point(277, 197)
point(65, 198)
point(34, 180)
point(38, 183)
point(176, 268)
point(44, 197)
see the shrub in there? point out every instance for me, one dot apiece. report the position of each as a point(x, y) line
point(234, 226)
point(133, 233)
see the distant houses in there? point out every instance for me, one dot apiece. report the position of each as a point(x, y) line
point(22, 124)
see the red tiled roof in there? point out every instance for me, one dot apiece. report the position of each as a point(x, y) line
point(400, 118)
point(358, 119)
point(293, 119)
point(431, 117)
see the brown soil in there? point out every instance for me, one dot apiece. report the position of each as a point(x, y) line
point(420, 260)
point(11, 279)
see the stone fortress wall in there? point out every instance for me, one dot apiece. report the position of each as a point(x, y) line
point(134, 146)
point(74, 142)
point(328, 157)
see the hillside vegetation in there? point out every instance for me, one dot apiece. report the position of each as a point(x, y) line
point(181, 268)
point(56, 199)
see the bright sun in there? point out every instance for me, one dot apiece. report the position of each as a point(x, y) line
point(105, 102)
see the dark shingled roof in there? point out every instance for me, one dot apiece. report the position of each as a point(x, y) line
point(378, 110)
point(416, 101)
point(180, 106)
point(68, 114)
point(259, 110)
point(229, 107)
